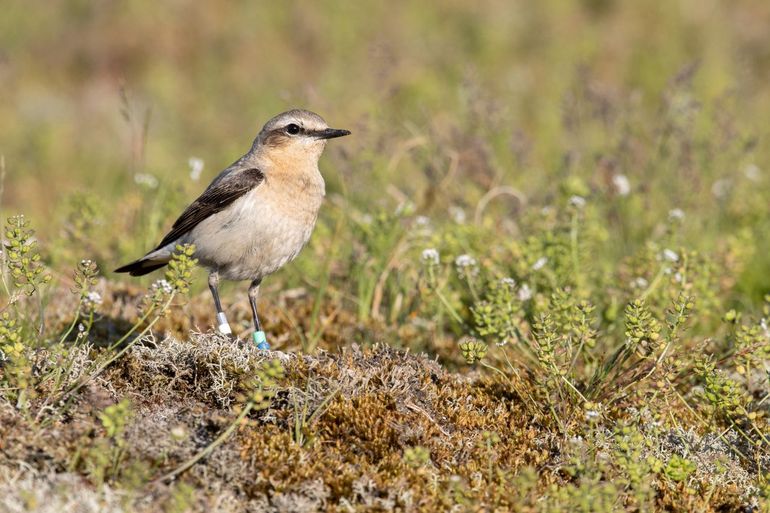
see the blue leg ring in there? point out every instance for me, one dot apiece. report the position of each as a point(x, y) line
point(260, 340)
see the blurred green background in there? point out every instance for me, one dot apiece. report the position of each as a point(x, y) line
point(446, 102)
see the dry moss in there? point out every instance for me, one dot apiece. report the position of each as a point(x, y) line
point(379, 429)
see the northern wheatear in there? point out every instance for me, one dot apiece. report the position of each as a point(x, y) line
point(257, 214)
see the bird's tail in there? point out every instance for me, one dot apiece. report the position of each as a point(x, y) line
point(147, 264)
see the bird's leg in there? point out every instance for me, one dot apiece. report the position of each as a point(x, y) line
point(259, 335)
point(222, 325)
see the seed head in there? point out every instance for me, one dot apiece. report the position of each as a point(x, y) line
point(473, 350)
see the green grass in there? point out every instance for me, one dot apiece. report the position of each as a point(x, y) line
point(565, 204)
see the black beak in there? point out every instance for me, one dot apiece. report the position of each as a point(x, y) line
point(331, 133)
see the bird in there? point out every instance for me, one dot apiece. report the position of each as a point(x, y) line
point(257, 214)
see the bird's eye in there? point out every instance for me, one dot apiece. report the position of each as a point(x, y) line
point(292, 129)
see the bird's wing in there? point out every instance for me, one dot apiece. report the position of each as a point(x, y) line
point(221, 193)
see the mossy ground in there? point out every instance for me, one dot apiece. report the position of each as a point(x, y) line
point(359, 428)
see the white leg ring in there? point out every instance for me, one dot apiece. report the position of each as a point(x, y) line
point(223, 325)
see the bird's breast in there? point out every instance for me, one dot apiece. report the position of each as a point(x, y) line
point(259, 233)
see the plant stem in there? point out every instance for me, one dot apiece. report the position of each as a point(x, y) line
point(74, 322)
point(655, 282)
point(568, 382)
point(492, 367)
point(139, 323)
point(449, 307)
point(574, 250)
point(316, 332)
point(120, 353)
point(209, 448)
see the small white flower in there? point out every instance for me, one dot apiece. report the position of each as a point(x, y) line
point(457, 214)
point(540, 263)
point(430, 256)
point(465, 261)
point(720, 188)
point(146, 180)
point(162, 285)
point(81, 327)
point(196, 168)
point(592, 415)
point(670, 255)
point(678, 277)
point(752, 172)
point(577, 201)
point(525, 293)
point(94, 298)
point(467, 265)
point(508, 282)
point(622, 185)
point(422, 226)
point(675, 214)
point(640, 283)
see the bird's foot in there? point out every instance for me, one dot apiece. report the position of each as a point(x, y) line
point(260, 340)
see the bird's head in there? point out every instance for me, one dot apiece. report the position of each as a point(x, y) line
point(295, 135)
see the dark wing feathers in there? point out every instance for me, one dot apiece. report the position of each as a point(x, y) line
point(221, 193)
point(225, 189)
point(141, 267)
